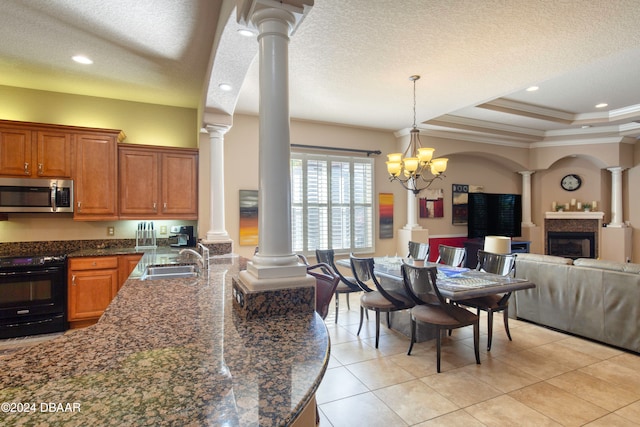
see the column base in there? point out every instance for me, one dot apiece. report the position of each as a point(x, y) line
point(414, 235)
point(213, 236)
point(254, 298)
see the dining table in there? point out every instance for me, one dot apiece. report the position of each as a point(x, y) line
point(454, 283)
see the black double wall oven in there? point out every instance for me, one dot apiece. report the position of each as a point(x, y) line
point(33, 295)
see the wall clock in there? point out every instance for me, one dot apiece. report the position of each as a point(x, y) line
point(571, 182)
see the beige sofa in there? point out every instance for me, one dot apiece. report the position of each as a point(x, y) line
point(591, 298)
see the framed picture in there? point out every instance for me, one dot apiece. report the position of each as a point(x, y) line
point(385, 203)
point(459, 202)
point(248, 218)
point(432, 205)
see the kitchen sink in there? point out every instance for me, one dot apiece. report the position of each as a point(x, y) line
point(169, 272)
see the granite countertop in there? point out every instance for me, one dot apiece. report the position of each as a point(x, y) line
point(92, 252)
point(170, 352)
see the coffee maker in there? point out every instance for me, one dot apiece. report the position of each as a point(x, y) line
point(182, 236)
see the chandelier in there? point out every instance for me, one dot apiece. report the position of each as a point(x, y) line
point(415, 169)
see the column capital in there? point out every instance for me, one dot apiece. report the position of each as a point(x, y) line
point(218, 129)
point(614, 169)
point(296, 9)
point(526, 173)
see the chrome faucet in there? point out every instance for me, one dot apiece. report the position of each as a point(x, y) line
point(205, 253)
point(202, 256)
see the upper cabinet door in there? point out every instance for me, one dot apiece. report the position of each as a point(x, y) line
point(180, 185)
point(95, 180)
point(138, 182)
point(158, 182)
point(15, 152)
point(53, 151)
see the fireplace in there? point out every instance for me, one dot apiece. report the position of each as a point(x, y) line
point(573, 234)
point(571, 244)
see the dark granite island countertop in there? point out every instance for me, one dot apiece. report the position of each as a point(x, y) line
point(170, 352)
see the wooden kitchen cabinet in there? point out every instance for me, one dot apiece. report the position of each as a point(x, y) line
point(126, 265)
point(95, 177)
point(157, 182)
point(35, 151)
point(92, 284)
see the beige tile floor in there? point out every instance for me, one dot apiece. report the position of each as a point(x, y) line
point(541, 378)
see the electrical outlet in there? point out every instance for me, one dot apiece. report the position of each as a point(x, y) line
point(163, 229)
point(110, 231)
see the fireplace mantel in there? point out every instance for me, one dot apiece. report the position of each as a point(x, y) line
point(574, 215)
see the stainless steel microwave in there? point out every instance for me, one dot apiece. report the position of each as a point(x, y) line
point(36, 195)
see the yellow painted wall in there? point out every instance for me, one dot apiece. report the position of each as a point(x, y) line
point(147, 124)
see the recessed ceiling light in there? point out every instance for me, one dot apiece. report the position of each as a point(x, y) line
point(585, 126)
point(81, 59)
point(225, 86)
point(601, 105)
point(245, 32)
point(532, 88)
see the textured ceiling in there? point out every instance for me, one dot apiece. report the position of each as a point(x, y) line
point(350, 60)
point(145, 50)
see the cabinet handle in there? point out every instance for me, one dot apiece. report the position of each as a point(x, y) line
point(73, 279)
point(155, 207)
point(26, 168)
point(79, 206)
point(164, 207)
point(40, 168)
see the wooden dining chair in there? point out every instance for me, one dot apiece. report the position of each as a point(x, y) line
point(503, 265)
point(377, 298)
point(326, 284)
point(451, 255)
point(431, 308)
point(418, 250)
point(347, 284)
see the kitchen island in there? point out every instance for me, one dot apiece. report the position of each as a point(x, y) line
point(171, 352)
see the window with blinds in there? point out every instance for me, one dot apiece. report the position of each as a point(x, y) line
point(331, 203)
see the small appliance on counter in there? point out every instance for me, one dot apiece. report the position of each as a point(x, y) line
point(182, 236)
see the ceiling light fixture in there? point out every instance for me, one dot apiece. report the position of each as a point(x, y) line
point(81, 59)
point(245, 32)
point(601, 105)
point(225, 87)
point(532, 88)
point(409, 168)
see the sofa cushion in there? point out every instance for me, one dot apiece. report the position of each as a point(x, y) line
point(608, 265)
point(544, 258)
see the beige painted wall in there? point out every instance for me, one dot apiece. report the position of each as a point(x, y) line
point(241, 172)
point(494, 167)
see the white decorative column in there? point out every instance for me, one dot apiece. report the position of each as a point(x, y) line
point(616, 197)
point(526, 198)
point(412, 208)
point(217, 232)
point(412, 231)
point(275, 266)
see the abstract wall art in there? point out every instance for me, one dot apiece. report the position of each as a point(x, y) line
point(248, 218)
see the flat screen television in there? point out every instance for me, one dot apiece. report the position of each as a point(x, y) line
point(494, 215)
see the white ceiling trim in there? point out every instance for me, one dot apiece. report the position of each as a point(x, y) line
point(594, 141)
point(470, 137)
point(529, 110)
point(486, 127)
